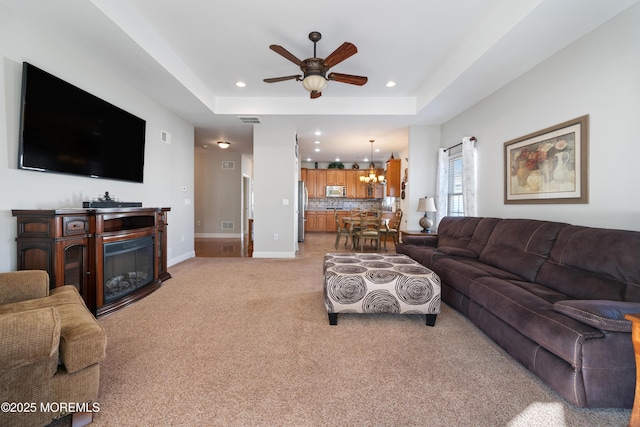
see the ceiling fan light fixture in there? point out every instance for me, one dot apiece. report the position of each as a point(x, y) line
point(314, 83)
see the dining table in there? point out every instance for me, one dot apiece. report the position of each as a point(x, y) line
point(352, 222)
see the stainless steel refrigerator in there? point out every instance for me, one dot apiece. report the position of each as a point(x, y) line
point(303, 201)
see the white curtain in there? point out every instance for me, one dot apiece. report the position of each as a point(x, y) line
point(442, 182)
point(469, 199)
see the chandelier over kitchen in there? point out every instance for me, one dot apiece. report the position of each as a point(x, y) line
point(372, 178)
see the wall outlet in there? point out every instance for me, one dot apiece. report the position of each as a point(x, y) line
point(275, 236)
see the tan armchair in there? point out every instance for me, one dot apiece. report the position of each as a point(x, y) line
point(50, 349)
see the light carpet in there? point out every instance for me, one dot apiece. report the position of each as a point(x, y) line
point(247, 342)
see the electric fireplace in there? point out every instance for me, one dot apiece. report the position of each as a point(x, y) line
point(128, 265)
point(113, 256)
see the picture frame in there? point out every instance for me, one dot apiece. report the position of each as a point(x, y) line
point(549, 166)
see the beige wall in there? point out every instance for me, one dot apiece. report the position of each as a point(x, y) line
point(597, 75)
point(218, 193)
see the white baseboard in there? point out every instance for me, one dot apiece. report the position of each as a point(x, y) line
point(274, 254)
point(177, 260)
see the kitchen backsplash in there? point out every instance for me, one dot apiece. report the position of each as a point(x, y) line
point(346, 204)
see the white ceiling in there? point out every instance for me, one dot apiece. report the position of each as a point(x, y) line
point(444, 55)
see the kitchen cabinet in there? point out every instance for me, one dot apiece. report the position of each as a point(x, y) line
point(365, 191)
point(316, 183)
point(361, 187)
point(312, 178)
point(352, 184)
point(311, 223)
point(336, 177)
point(393, 178)
point(310, 182)
point(323, 221)
point(321, 183)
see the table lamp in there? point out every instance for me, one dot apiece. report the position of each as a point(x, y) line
point(426, 205)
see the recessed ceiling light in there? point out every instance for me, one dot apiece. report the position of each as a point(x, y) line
point(377, 150)
point(390, 83)
point(337, 159)
point(240, 84)
point(317, 150)
point(316, 142)
point(205, 146)
point(317, 133)
point(308, 159)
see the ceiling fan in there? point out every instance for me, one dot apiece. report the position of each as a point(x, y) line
point(314, 77)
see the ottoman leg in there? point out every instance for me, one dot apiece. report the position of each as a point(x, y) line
point(431, 319)
point(333, 318)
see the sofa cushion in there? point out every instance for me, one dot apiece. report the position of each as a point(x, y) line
point(481, 234)
point(419, 253)
point(456, 231)
point(459, 273)
point(461, 252)
point(421, 240)
point(594, 263)
point(534, 317)
point(82, 340)
point(521, 246)
point(605, 315)
point(23, 285)
point(28, 337)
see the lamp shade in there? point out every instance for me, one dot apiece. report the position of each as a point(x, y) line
point(426, 204)
point(314, 83)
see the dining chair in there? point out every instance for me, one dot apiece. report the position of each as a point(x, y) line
point(355, 213)
point(392, 229)
point(341, 229)
point(370, 225)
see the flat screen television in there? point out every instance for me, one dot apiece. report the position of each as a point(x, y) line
point(64, 129)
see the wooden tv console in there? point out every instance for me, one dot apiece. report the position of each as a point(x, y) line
point(70, 245)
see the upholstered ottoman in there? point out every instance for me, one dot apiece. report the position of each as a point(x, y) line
point(379, 283)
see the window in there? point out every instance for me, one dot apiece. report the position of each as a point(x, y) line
point(454, 206)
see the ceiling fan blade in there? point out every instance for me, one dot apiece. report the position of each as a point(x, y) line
point(315, 95)
point(281, 79)
point(347, 78)
point(345, 51)
point(285, 53)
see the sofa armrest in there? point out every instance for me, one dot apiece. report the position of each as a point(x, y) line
point(29, 336)
point(421, 240)
point(602, 314)
point(16, 286)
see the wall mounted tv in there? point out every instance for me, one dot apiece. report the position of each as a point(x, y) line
point(67, 130)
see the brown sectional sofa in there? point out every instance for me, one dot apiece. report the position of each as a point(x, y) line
point(553, 295)
point(50, 350)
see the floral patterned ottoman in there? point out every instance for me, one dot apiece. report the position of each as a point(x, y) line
point(379, 283)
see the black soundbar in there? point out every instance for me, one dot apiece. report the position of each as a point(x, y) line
point(111, 204)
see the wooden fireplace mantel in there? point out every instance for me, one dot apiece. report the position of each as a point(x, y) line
point(69, 245)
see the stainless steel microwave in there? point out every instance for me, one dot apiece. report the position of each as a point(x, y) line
point(336, 191)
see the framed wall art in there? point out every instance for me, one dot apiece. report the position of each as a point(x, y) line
point(549, 166)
